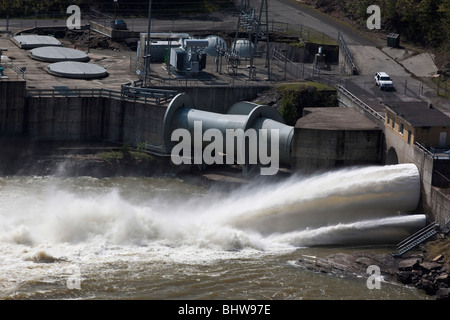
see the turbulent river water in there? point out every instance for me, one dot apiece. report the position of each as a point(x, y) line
point(165, 238)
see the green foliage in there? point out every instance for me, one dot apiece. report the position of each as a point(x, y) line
point(142, 146)
point(299, 95)
point(424, 22)
point(289, 104)
point(126, 153)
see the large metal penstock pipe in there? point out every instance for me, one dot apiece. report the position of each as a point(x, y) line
point(242, 115)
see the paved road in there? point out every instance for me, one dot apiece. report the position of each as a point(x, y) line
point(405, 67)
point(369, 58)
point(300, 14)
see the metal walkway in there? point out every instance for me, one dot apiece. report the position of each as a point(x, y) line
point(416, 239)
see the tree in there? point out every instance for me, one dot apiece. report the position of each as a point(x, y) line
point(288, 109)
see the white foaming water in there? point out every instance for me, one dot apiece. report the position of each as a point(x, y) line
point(357, 198)
point(89, 221)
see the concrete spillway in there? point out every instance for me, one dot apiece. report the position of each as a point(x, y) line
point(241, 116)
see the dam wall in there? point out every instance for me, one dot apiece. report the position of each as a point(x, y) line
point(12, 105)
point(96, 117)
point(93, 118)
point(131, 122)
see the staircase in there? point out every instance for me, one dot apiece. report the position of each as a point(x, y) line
point(416, 239)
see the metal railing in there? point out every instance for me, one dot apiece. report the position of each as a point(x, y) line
point(157, 95)
point(378, 116)
point(440, 153)
point(20, 71)
point(69, 92)
point(433, 152)
point(425, 150)
point(417, 238)
point(149, 96)
point(347, 53)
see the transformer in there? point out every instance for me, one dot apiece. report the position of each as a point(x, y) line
point(190, 58)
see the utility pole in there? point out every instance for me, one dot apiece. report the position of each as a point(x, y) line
point(88, 25)
point(147, 46)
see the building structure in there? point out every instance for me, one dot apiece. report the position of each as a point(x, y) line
point(419, 122)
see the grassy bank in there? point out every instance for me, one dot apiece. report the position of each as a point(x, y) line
point(291, 98)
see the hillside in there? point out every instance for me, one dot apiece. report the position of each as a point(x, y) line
point(423, 23)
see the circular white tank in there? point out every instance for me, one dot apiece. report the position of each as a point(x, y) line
point(76, 70)
point(242, 47)
point(212, 41)
point(56, 54)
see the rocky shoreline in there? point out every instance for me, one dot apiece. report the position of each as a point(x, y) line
point(415, 268)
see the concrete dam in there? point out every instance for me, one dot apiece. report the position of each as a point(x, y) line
point(356, 205)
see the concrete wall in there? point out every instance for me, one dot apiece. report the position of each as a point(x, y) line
point(440, 206)
point(69, 119)
point(317, 149)
point(94, 118)
point(101, 118)
point(12, 104)
point(142, 123)
point(220, 99)
point(352, 102)
point(412, 154)
point(436, 203)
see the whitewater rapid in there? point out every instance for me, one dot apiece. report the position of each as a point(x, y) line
point(360, 205)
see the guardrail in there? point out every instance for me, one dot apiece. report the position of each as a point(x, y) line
point(69, 92)
point(152, 95)
point(101, 28)
point(425, 150)
point(158, 95)
point(347, 52)
point(20, 71)
point(361, 104)
point(434, 153)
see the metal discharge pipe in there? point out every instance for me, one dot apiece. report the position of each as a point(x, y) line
point(242, 115)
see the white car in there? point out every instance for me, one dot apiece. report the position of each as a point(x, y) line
point(383, 80)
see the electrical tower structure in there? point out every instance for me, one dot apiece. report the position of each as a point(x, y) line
point(256, 26)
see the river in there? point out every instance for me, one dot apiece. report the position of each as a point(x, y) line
point(166, 238)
